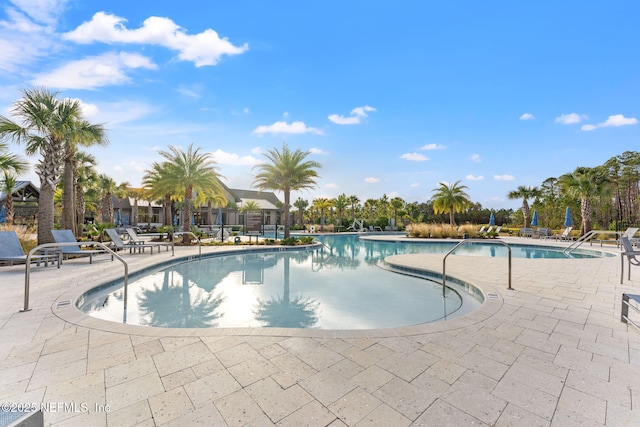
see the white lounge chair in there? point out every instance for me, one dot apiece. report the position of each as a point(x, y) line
point(134, 238)
point(630, 255)
point(565, 235)
point(132, 246)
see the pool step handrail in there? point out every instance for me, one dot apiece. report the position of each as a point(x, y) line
point(27, 271)
point(185, 232)
point(463, 242)
point(587, 237)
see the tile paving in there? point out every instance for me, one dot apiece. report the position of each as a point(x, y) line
point(550, 352)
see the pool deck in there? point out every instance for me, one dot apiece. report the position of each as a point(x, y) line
point(552, 351)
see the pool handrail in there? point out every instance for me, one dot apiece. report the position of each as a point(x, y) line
point(444, 260)
point(185, 232)
point(27, 272)
point(575, 245)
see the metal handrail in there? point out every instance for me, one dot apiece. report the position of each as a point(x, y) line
point(575, 245)
point(185, 232)
point(444, 260)
point(27, 273)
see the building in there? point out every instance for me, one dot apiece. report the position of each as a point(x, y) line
point(25, 197)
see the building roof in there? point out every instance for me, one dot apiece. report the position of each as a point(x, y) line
point(264, 199)
point(24, 189)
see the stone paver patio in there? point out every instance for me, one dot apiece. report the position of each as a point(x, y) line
point(550, 352)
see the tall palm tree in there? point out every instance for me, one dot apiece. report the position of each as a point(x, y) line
point(286, 171)
point(450, 198)
point(340, 203)
point(85, 134)
point(10, 162)
point(354, 201)
point(396, 204)
point(322, 204)
point(187, 172)
point(8, 184)
point(525, 193)
point(370, 206)
point(587, 185)
point(87, 176)
point(45, 124)
point(301, 204)
point(107, 188)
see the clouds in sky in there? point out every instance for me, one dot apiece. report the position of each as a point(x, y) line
point(232, 159)
point(474, 177)
point(615, 120)
point(205, 48)
point(504, 177)
point(527, 116)
point(94, 71)
point(476, 158)
point(286, 128)
point(371, 180)
point(357, 114)
point(433, 147)
point(414, 157)
point(571, 118)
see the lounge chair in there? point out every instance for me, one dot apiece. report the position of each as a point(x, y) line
point(526, 232)
point(66, 236)
point(565, 235)
point(629, 233)
point(11, 251)
point(134, 238)
point(482, 230)
point(132, 246)
point(544, 233)
point(633, 257)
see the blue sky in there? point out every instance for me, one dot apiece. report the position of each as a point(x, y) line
point(390, 97)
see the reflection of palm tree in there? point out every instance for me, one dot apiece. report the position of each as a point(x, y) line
point(184, 309)
point(285, 313)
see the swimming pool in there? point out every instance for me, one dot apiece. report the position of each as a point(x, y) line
point(338, 286)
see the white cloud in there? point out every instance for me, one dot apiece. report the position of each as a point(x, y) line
point(88, 110)
point(119, 112)
point(284, 127)
point(415, 185)
point(205, 48)
point(433, 147)
point(476, 158)
point(475, 178)
point(331, 185)
point(571, 118)
point(371, 180)
point(615, 120)
point(246, 110)
point(319, 151)
point(357, 114)
point(94, 71)
point(503, 177)
point(414, 157)
point(224, 158)
point(257, 150)
point(191, 92)
point(285, 114)
point(527, 116)
point(43, 11)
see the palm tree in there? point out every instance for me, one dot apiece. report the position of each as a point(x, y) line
point(85, 134)
point(107, 187)
point(587, 185)
point(396, 204)
point(87, 176)
point(10, 162)
point(45, 124)
point(302, 205)
point(450, 198)
point(187, 172)
point(340, 203)
point(8, 184)
point(525, 193)
point(322, 204)
point(354, 201)
point(250, 206)
point(370, 206)
point(286, 171)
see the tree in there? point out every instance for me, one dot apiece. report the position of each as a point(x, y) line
point(354, 201)
point(525, 193)
point(586, 184)
point(85, 134)
point(187, 172)
point(301, 205)
point(450, 198)
point(340, 203)
point(107, 187)
point(286, 171)
point(396, 204)
point(8, 184)
point(87, 177)
point(322, 204)
point(10, 162)
point(45, 124)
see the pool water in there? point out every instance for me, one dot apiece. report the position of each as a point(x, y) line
point(338, 286)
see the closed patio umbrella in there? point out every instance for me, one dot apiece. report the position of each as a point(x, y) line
point(568, 222)
point(119, 218)
point(492, 220)
point(3, 214)
point(219, 216)
point(534, 219)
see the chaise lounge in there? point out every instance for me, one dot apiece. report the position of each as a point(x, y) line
point(11, 251)
point(66, 236)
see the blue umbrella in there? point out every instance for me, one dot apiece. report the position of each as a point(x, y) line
point(119, 218)
point(3, 215)
point(175, 220)
point(567, 218)
point(126, 219)
point(534, 219)
point(219, 216)
point(193, 220)
point(492, 220)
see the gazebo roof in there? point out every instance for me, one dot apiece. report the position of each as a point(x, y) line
point(24, 189)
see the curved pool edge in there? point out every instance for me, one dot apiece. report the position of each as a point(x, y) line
point(64, 307)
